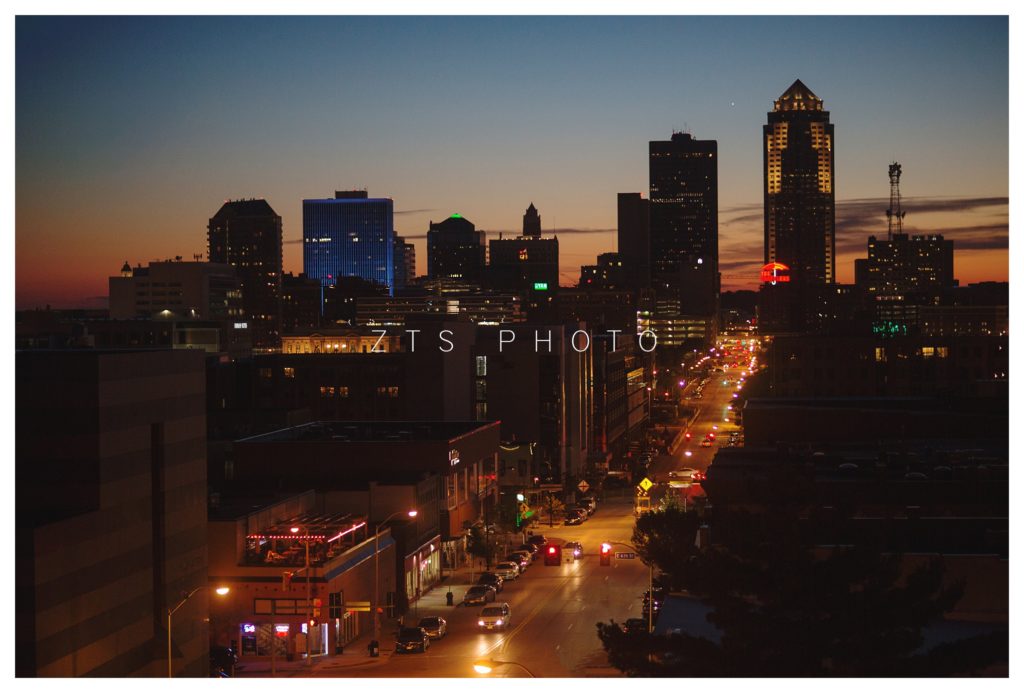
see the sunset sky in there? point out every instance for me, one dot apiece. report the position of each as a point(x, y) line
point(131, 132)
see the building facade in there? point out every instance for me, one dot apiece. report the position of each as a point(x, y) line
point(799, 199)
point(634, 234)
point(351, 235)
point(110, 513)
point(684, 222)
point(456, 250)
point(246, 234)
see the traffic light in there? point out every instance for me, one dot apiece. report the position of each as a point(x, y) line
point(313, 622)
point(552, 555)
point(606, 554)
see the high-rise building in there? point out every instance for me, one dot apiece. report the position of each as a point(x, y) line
point(635, 238)
point(246, 234)
point(455, 250)
point(351, 235)
point(799, 192)
point(531, 222)
point(404, 256)
point(191, 290)
point(684, 222)
point(527, 267)
point(300, 303)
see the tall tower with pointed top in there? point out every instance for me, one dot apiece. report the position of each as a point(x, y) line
point(531, 222)
point(799, 190)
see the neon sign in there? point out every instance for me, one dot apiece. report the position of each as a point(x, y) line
point(774, 272)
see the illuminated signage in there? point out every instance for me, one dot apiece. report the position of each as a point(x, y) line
point(540, 286)
point(248, 628)
point(241, 325)
point(774, 272)
point(453, 457)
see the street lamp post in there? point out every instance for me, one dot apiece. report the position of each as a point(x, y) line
point(309, 600)
point(376, 570)
point(650, 586)
point(221, 591)
point(486, 666)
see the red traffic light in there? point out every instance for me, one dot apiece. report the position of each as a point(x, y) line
point(605, 548)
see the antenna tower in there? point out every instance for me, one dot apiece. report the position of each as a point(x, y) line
point(895, 212)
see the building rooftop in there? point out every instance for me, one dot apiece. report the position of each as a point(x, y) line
point(375, 431)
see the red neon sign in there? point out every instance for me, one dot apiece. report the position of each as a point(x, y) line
point(774, 272)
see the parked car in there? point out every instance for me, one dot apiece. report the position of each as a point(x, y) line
point(223, 659)
point(491, 579)
point(537, 540)
point(521, 558)
point(575, 517)
point(435, 626)
point(575, 547)
point(532, 549)
point(589, 503)
point(480, 594)
point(507, 570)
point(497, 616)
point(411, 640)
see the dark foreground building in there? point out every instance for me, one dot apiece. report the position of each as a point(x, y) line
point(110, 473)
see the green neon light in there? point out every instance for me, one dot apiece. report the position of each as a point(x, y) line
point(540, 286)
point(456, 216)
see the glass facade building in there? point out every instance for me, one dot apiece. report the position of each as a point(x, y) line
point(351, 235)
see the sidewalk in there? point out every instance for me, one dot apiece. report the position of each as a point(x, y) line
point(356, 655)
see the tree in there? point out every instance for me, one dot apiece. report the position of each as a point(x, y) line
point(667, 539)
point(786, 608)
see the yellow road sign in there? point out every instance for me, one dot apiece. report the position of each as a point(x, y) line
point(646, 484)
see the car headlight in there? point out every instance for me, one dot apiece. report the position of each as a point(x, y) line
point(499, 622)
point(480, 623)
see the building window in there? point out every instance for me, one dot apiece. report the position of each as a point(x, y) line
point(289, 372)
point(389, 391)
point(880, 354)
point(327, 391)
point(481, 366)
point(266, 373)
point(481, 411)
point(343, 391)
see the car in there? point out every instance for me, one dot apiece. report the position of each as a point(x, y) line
point(521, 558)
point(537, 540)
point(507, 570)
point(575, 547)
point(635, 625)
point(589, 503)
point(532, 549)
point(493, 580)
point(575, 517)
point(497, 616)
point(698, 476)
point(480, 594)
point(435, 626)
point(223, 660)
point(411, 640)
point(705, 443)
point(686, 473)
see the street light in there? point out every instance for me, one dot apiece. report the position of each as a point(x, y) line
point(221, 591)
point(309, 601)
point(486, 666)
point(376, 570)
point(650, 588)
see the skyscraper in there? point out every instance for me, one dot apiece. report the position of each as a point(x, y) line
point(635, 238)
point(351, 235)
point(684, 222)
point(455, 250)
point(246, 234)
point(799, 193)
point(531, 223)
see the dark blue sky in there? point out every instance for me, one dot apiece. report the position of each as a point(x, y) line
point(141, 127)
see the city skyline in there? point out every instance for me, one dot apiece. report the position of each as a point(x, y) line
point(142, 151)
